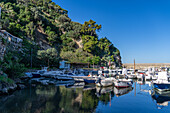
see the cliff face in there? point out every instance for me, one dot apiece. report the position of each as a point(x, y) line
point(2, 49)
point(45, 24)
point(7, 40)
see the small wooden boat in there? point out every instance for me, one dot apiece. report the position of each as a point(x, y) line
point(90, 81)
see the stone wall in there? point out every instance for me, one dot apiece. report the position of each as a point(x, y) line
point(2, 49)
point(11, 41)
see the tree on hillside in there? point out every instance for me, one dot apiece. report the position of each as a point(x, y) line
point(90, 27)
point(104, 45)
point(63, 18)
point(49, 55)
point(89, 43)
point(11, 66)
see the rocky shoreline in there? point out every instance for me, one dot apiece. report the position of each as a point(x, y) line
point(6, 88)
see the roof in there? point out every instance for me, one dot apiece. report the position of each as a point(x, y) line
point(78, 63)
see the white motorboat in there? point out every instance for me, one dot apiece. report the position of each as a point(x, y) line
point(104, 82)
point(148, 76)
point(121, 83)
point(163, 81)
point(130, 73)
point(38, 73)
point(52, 73)
point(78, 77)
point(141, 76)
point(64, 76)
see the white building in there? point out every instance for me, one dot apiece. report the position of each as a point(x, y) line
point(64, 65)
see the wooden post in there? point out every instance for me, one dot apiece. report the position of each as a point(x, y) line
point(134, 67)
point(48, 62)
point(93, 65)
point(88, 58)
point(135, 88)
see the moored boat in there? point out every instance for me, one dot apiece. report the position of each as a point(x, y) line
point(39, 72)
point(163, 82)
point(141, 76)
point(90, 81)
point(122, 83)
point(131, 74)
point(104, 82)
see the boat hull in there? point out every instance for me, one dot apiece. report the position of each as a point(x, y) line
point(132, 76)
point(148, 77)
point(162, 86)
point(79, 79)
point(63, 78)
point(104, 83)
point(36, 75)
point(89, 81)
point(122, 84)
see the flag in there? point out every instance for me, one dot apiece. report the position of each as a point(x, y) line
point(109, 63)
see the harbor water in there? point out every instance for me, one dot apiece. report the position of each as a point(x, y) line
point(80, 98)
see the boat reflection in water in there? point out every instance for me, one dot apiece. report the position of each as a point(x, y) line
point(141, 82)
point(76, 85)
point(122, 91)
point(103, 90)
point(65, 83)
point(50, 99)
point(162, 98)
point(89, 87)
point(70, 97)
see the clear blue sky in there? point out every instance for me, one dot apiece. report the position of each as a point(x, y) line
point(140, 29)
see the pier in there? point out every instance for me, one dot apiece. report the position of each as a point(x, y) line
point(146, 65)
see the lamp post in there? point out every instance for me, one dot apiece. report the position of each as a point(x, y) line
point(31, 58)
point(0, 12)
point(0, 19)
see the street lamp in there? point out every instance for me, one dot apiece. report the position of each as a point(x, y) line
point(0, 19)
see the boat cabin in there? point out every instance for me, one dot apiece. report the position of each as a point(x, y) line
point(163, 76)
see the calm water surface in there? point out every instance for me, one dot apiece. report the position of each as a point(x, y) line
point(86, 99)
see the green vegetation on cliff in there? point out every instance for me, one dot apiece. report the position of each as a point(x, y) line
point(43, 25)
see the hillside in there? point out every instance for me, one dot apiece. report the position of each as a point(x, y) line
point(42, 25)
